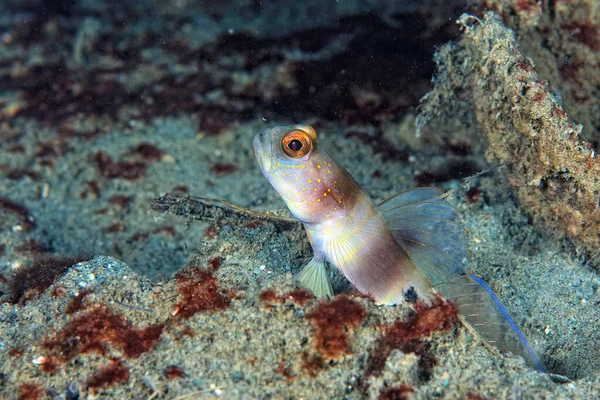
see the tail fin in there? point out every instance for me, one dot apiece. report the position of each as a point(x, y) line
point(427, 228)
point(481, 309)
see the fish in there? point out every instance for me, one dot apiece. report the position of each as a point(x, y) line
point(411, 246)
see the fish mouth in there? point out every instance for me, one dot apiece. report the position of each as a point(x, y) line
point(261, 151)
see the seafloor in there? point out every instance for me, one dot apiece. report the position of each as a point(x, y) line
point(105, 107)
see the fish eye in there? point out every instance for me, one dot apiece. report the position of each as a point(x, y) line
point(296, 144)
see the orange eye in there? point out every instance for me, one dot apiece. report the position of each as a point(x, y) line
point(296, 144)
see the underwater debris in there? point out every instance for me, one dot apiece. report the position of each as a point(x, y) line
point(30, 281)
point(216, 211)
point(554, 172)
point(113, 373)
point(200, 292)
point(411, 335)
point(331, 320)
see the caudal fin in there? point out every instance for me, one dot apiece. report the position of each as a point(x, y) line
point(427, 228)
point(480, 308)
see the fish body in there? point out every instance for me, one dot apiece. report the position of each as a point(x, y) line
point(342, 224)
point(410, 246)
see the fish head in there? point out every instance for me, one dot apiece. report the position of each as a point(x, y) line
point(305, 175)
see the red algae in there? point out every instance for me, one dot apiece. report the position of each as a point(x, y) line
point(76, 303)
point(27, 220)
point(116, 227)
point(312, 364)
point(409, 335)
point(120, 200)
point(473, 194)
point(49, 365)
point(200, 292)
point(211, 232)
point(186, 331)
point(173, 372)
point(148, 151)
point(29, 391)
point(475, 396)
point(269, 296)
point(401, 392)
point(220, 169)
point(298, 296)
point(32, 280)
point(19, 173)
point(16, 352)
point(286, 371)
point(331, 319)
point(30, 247)
point(253, 224)
point(129, 170)
point(92, 331)
point(114, 373)
point(92, 190)
point(584, 32)
point(214, 263)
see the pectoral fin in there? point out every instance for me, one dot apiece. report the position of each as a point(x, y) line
point(314, 277)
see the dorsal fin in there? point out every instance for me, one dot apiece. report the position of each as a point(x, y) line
point(427, 228)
